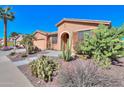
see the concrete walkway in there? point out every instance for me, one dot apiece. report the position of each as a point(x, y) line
point(50, 53)
point(23, 62)
point(11, 76)
point(4, 53)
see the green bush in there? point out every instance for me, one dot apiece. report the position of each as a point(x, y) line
point(77, 47)
point(105, 45)
point(31, 50)
point(24, 55)
point(43, 68)
point(12, 53)
point(27, 42)
point(1, 46)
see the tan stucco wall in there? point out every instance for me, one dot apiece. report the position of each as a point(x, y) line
point(67, 26)
point(53, 46)
point(41, 41)
point(72, 28)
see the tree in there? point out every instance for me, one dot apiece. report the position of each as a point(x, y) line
point(6, 15)
point(27, 43)
point(105, 45)
point(14, 34)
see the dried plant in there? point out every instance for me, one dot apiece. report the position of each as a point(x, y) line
point(84, 75)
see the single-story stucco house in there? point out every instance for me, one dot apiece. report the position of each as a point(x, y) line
point(66, 28)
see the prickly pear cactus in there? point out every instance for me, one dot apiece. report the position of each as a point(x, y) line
point(43, 68)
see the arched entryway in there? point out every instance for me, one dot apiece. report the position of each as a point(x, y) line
point(64, 39)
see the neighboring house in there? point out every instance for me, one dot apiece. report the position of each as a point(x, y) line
point(1, 41)
point(10, 39)
point(66, 28)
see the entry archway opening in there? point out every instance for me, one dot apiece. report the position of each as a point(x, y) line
point(64, 40)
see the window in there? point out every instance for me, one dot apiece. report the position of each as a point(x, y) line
point(82, 33)
point(54, 39)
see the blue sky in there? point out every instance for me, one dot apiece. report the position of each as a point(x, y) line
point(31, 17)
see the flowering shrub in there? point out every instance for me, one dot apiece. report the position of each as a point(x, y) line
point(6, 48)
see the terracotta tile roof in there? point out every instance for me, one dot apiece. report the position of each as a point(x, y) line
point(84, 21)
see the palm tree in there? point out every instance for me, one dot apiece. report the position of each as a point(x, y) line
point(6, 15)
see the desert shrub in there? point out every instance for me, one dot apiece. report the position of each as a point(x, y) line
point(27, 42)
point(105, 45)
point(24, 55)
point(1, 46)
point(6, 48)
point(85, 76)
point(12, 53)
point(36, 49)
point(77, 47)
point(43, 68)
point(31, 50)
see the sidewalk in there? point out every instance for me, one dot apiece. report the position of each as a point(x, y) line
point(11, 76)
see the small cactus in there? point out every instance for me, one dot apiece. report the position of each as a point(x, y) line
point(66, 52)
point(43, 68)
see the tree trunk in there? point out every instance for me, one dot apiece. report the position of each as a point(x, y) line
point(27, 50)
point(14, 44)
point(5, 31)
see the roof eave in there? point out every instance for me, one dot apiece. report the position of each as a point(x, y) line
point(84, 21)
point(39, 31)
